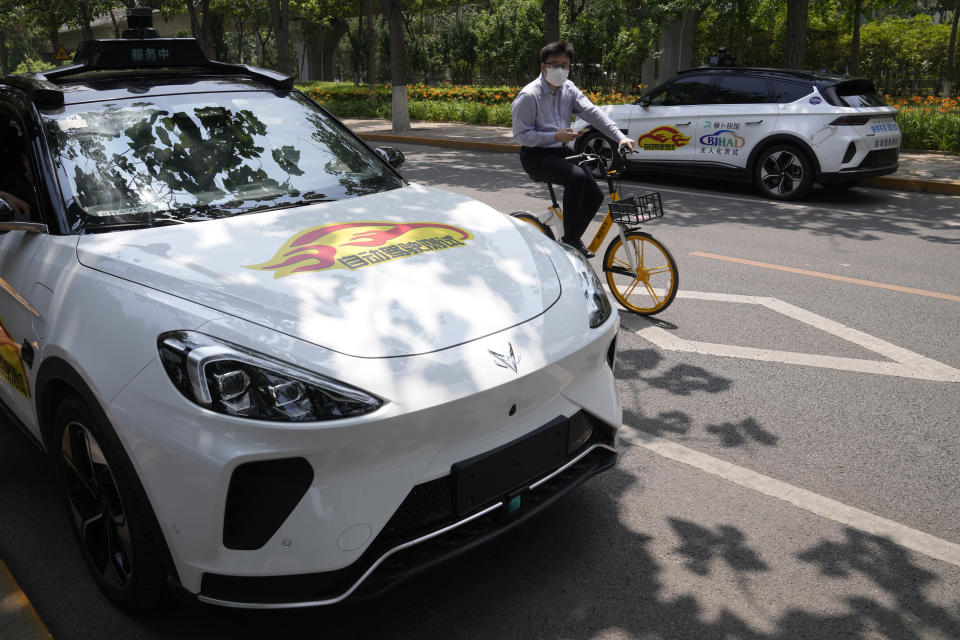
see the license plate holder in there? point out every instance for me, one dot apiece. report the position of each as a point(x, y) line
point(496, 473)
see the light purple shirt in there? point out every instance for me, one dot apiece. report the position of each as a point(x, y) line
point(539, 112)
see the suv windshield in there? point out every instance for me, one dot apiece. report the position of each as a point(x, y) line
point(187, 157)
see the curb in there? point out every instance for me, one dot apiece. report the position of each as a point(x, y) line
point(912, 184)
point(898, 184)
point(18, 618)
point(443, 142)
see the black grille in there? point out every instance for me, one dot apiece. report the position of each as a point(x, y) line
point(260, 497)
point(428, 507)
point(880, 158)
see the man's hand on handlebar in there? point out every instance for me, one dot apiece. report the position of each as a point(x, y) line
point(627, 144)
point(566, 135)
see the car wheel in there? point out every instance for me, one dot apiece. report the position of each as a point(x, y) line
point(598, 144)
point(841, 186)
point(111, 519)
point(783, 172)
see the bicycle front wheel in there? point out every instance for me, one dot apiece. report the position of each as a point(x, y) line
point(652, 285)
point(531, 219)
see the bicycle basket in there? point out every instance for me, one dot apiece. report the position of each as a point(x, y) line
point(637, 209)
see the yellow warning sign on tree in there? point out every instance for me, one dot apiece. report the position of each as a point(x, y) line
point(62, 54)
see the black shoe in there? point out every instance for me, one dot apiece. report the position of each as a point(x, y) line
point(577, 244)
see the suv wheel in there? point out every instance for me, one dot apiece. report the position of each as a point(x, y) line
point(783, 172)
point(119, 539)
point(598, 144)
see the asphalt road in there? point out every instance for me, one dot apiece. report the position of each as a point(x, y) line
point(749, 490)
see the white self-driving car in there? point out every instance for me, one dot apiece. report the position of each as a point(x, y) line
point(782, 130)
point(266, 367)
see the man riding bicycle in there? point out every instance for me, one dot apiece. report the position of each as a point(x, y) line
point(542, 112)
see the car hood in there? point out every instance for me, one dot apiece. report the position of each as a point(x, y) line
point(402, 272)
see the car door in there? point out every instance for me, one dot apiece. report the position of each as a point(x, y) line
point(741, 112)
point(20, 320)
point(664, 122)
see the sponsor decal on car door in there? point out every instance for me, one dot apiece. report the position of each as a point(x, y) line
point(664, 134)
point(728, 138)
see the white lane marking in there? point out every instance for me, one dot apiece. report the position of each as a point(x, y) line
point(901, 534)
point(888, 215)
point(902, 362)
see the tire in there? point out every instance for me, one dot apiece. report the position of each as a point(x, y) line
point(783, 172)
point(531, 219)
point(658, 274)
point(596, 143)
point(840, 186)
point(117, 532)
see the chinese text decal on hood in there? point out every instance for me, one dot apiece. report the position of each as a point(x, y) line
point(354, 245)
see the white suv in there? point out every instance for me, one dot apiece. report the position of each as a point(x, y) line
point(783, 130)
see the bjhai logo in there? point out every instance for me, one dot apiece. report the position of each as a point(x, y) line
point(723, 138)
point(354, 245)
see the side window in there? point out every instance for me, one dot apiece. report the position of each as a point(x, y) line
point(786, 91)
point(741, 90)
point(683, 91)
point(16, 173)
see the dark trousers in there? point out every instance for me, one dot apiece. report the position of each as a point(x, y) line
point(581, 195)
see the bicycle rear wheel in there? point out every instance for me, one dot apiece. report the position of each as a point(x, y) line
point(652, 286)
point(531, 219)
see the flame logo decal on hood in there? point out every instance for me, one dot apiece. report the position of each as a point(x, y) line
point(354, 245)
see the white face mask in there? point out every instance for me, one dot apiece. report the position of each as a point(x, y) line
point(557, 77)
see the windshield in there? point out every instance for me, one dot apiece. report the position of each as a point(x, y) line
point(188, 157)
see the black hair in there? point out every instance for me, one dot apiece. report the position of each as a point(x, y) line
point(556, 48)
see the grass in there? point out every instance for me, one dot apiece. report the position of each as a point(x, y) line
point(927, 123)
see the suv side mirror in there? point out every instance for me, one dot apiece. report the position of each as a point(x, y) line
point(644, 101)
point(393, 157)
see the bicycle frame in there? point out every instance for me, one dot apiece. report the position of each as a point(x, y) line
point(605, 225)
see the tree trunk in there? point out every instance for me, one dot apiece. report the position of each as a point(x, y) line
point(55, 41)
point(371, 50)
point(280, 15)
point(796, 37)
point(948, 80)
point(116, 27)
point(855, 43)
point(398, 65)
point(4, 60)
point(86, 30)
point(194, 20)
point(551, 20)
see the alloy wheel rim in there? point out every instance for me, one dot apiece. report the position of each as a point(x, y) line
point(95, 506)
point(600, 147)
point(781, 172)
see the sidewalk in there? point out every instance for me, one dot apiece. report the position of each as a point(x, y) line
point(930, 171)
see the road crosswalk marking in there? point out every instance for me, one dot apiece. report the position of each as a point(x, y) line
point(900, 362)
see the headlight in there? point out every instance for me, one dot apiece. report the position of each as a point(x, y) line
point(229, 379)
point(598, 304)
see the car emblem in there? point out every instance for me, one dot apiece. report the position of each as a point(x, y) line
point(508, 361)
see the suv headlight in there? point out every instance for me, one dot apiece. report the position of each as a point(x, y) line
point(598, 304)
point(229, 379)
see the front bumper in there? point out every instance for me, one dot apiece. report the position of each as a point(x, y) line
point(442, 408)
point(423, 533)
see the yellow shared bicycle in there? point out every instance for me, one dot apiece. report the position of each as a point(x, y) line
point(640, 272)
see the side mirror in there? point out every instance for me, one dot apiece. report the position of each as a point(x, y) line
point(644, 102)
point(393, 157)
point(6, 211)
